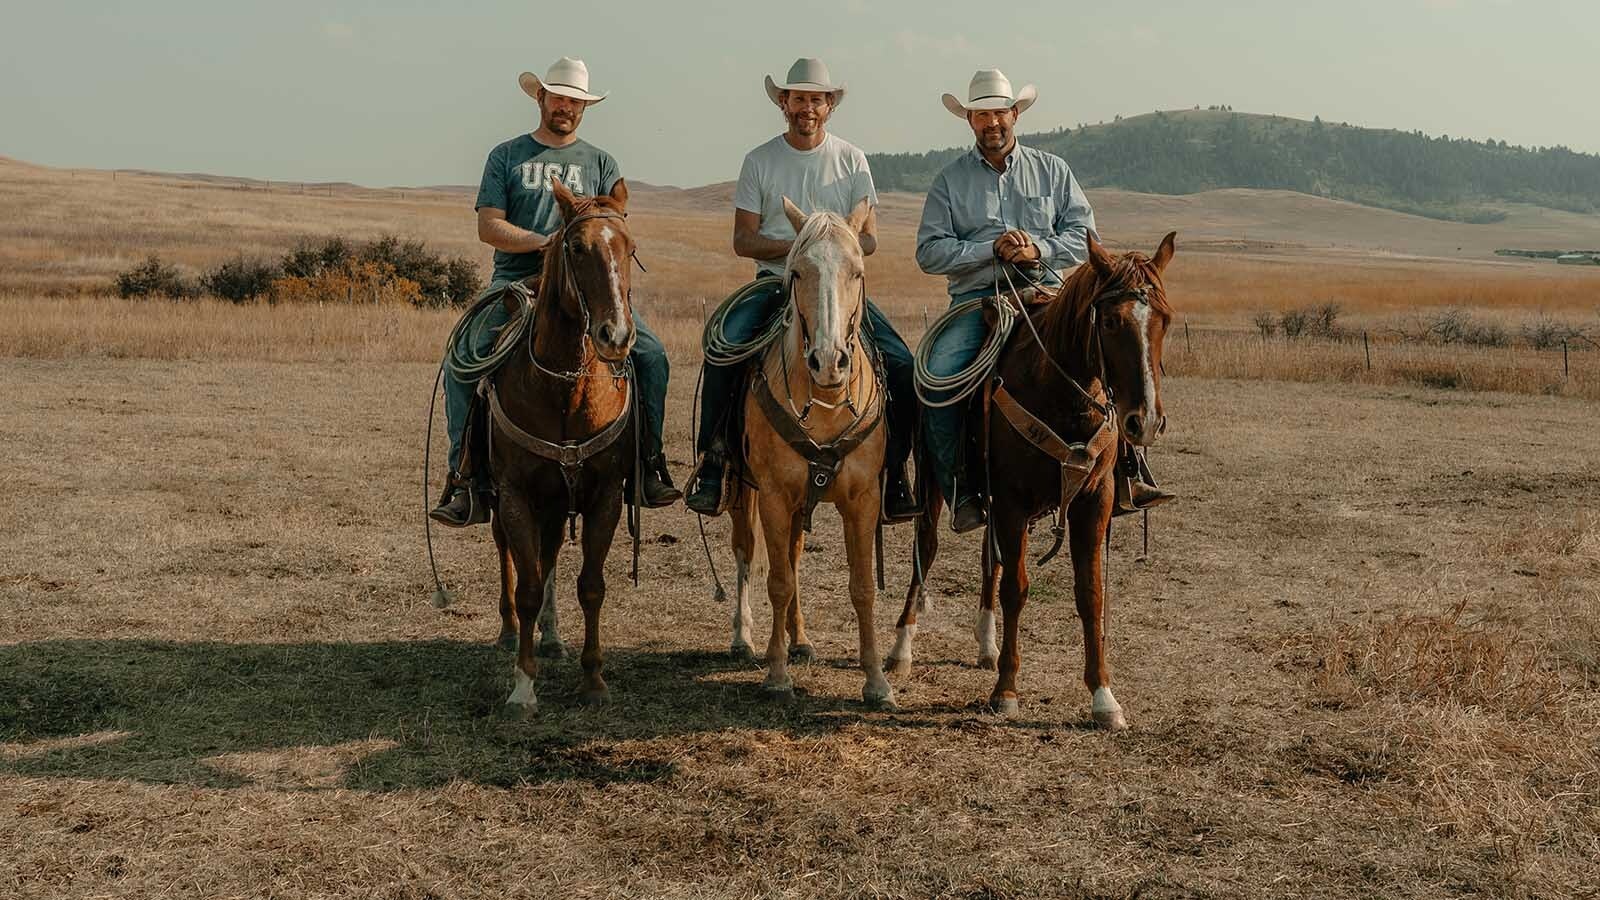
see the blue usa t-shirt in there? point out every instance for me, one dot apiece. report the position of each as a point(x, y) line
point(516, 178)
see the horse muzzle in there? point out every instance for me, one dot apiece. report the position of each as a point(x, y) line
point(611, 343)
point(1143, 430)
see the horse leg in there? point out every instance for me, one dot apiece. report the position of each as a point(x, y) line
point(1011, 534)
point(550, 645)
point(800, 648)
point(860, 531)
point(508, 586)
point(905, 631)
point(988, 653)
point(521, 531)
point(1087, 531)
point(742, 513)
point(599, 529)
point(778, 523)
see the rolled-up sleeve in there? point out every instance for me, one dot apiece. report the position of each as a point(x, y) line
point(939, 251)
point(1068, 245)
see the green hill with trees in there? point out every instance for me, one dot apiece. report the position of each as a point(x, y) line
point(1188, 151)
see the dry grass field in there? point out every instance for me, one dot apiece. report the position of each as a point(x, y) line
point(1363, 658)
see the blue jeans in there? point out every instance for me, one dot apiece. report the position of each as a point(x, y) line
point(743, 322)
point(956, 348)
point(649, 366)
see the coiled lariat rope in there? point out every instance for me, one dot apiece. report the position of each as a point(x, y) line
point(714, 342)
point(960, 384)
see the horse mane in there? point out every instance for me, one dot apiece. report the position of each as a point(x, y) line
point(1064, 324)
point(818, 225)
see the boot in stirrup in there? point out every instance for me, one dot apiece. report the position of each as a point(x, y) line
point(658, 488)
point(1136, 487)
point(461, 505)
point(706, 484)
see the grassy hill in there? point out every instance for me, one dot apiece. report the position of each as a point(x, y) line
point(1189, 151)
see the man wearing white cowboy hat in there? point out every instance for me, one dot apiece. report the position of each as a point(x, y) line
point(815, 170)
point(517, 213)
point(1000, 203)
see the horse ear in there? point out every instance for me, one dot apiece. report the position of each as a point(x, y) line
point(619, 195)
point(858, 216)
point(796, 217)
point(1164, 253)
point(564, 199)
point(1099, 258)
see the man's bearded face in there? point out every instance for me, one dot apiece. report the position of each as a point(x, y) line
point(806, 111)
point(993, 127)
point(559, 114)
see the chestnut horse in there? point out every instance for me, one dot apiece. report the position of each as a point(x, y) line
point(813, 433)
point(1089, 366)
point(561, 431)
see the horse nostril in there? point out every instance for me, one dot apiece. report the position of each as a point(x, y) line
point(844, 360)
point(1133, 424)
point(813, 361)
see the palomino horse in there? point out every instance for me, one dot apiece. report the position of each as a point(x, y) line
point(561, 440)
point(812, 434)
point(1095, 367)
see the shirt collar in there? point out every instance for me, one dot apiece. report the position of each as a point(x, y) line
point(1011, 158)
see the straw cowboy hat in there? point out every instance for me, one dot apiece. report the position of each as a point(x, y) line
point(806, 75)
point(567, 76)
point(990, 89)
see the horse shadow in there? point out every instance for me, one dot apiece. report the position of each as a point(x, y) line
point(369, 716)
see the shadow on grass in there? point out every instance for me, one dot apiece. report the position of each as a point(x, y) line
point(435, 707)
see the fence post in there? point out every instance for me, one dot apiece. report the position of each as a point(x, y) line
point(1566, 372)
point(1187, 346)
point(1367, 347)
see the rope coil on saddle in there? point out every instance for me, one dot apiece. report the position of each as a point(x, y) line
point(719, 350)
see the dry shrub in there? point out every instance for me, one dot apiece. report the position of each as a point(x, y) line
point(1294, 322)
point(1437, 658)
point(1265, 322)
point(1549, 333)
point(364, 282)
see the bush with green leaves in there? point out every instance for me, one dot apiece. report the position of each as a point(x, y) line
point(154, 278)
point(240, 280)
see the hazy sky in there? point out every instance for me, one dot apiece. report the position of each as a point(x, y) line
point(407, 93)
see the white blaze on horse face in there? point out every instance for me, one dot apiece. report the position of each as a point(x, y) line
point(1147, 377)
point(619, 315)
point(832, 277)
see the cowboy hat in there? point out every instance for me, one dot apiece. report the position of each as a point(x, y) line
point(990, 89)
point(806, 75)
point(567, 76)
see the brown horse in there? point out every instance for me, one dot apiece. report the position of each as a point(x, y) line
point(1091, 365)
point(561, 437)
point(812, 434)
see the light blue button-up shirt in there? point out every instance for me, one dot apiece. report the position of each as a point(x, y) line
point(971, 204)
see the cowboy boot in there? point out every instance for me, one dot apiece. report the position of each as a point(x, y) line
point(705, 485)
point(1136, 488)
point(658, 488)
point(899, 503)
point(461, 504)
point(969, 514)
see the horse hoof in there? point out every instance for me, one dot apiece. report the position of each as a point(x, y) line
point(552, 649)
point(517, 710)
point(988, 662)
point(1003, 706)
point(506, 641)
point(595, 697)
point(897, 665)
point(742, 653)
point(1110, 720)
point(802, 654)
point(883, 702)
point(781, 692)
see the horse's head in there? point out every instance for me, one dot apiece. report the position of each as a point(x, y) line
point(826, 278)
point(1130, 315)
point(592, 268)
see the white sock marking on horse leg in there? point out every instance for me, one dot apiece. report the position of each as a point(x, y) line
point(741, 601)
point(987, 648)
point(547, 611)
point(903, 636)
point(522, 694)
point(1103, 701)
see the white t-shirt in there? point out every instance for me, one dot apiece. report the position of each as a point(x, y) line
point(833, 175)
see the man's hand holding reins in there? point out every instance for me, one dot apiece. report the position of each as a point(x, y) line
point(1017, 247)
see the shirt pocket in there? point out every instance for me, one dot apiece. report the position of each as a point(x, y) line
point(1038, 215)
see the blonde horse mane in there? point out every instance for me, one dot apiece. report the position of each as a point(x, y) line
point(819, 225)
